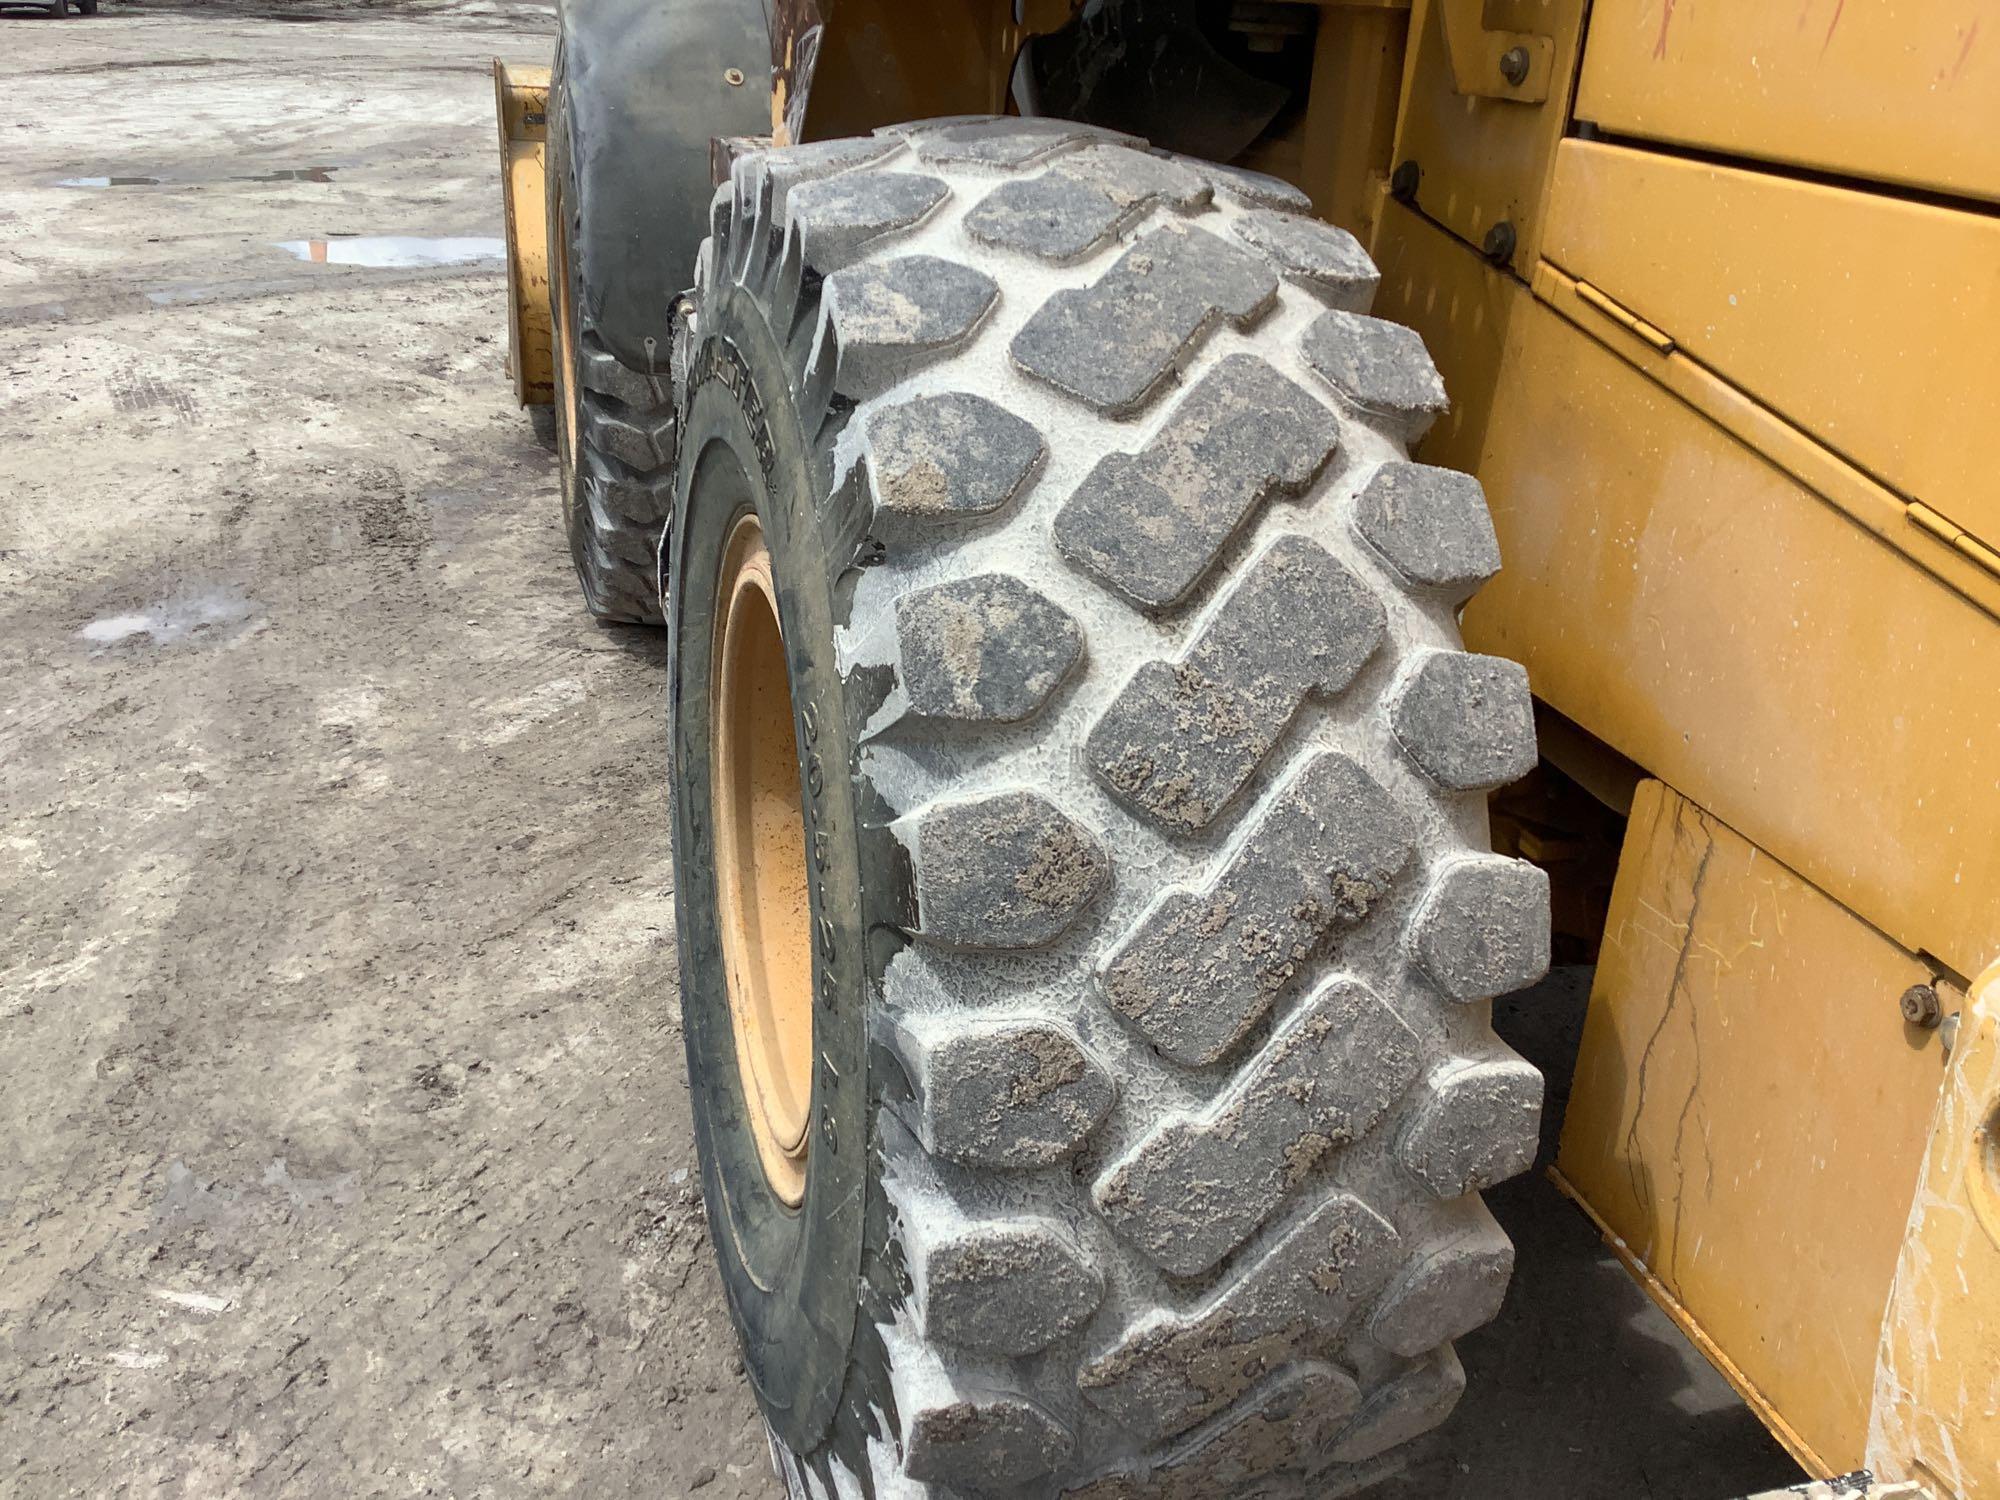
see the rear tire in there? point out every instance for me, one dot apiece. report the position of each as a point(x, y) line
point(614, 425)
point(1143, 777)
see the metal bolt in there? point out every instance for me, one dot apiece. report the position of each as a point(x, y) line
point(1499, 245)
point(1920, 1007)
point(1403, 182)
point(734, 78)
point(1514, 65)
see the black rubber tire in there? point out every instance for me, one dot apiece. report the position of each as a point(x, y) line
point(1155, 922)
point(617, 467)
point(542, 422)
point(85, 7)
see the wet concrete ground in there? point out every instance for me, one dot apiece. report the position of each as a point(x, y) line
point(348, 1151)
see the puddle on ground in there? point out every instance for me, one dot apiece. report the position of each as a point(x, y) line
point(166, 623)
point(287, 174)
point(382, 250)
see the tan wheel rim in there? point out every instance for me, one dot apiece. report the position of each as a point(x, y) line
point(565, 335)
point(760, 863)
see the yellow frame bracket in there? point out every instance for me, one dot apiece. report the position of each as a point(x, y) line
point(1511, 65)
point(521, 102)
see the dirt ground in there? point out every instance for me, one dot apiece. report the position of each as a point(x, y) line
point(347, 1150)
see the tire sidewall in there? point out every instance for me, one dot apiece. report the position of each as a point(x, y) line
point(792, 1278)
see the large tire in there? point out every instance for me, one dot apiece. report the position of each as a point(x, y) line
point(614, 425)
point(1153, 921)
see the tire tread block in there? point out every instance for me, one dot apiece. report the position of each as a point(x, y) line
point(838, 217)
point(1321, 257)
point(1133, 178)
point(1400, 1408)
point(1111, 344)
point(1081, 201)
point(1431, 525)
point(1006, 871)
point(1483, 927)
point(618, 540)
point(1453, 1285)
point(1004, 1092)
point(960, 1434)
point(986, 649)
point(1381, 369)
point(1285, 1427)
point(1197, 1185)
point(889, 316)
point(948, 457)
point(813, 160)
point(602, 372)
point(640, 500)
point(999, 140)
point(1478, 1125)
point(1151, 524)
point(641, 440)
point(1256, 189)
point(1200, 969)
point(1009, 1286)
point(1052, 217)
point(1467, 720)
point(1182, 739)
point(1173, 1370)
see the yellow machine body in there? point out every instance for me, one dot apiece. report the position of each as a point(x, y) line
point(1714, 289)
point(1728, 411)
point(521, 102)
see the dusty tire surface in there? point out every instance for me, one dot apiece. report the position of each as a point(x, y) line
point(619, 484)
point(617, 460)
point(1155, 886)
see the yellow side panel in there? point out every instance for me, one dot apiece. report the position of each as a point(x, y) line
point(1847, 312)
point(521, 100)
point(1937, 1413)
point(1904, 91)
point(1483, 160)
point(1749, 1112)
point(1461, 305)
point(1350, 121)
point(1710, 617)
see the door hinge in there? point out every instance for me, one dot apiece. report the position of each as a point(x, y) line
point(1955, 536)
point(1652, 335)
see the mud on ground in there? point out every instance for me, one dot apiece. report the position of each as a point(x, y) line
point(347, 1150)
